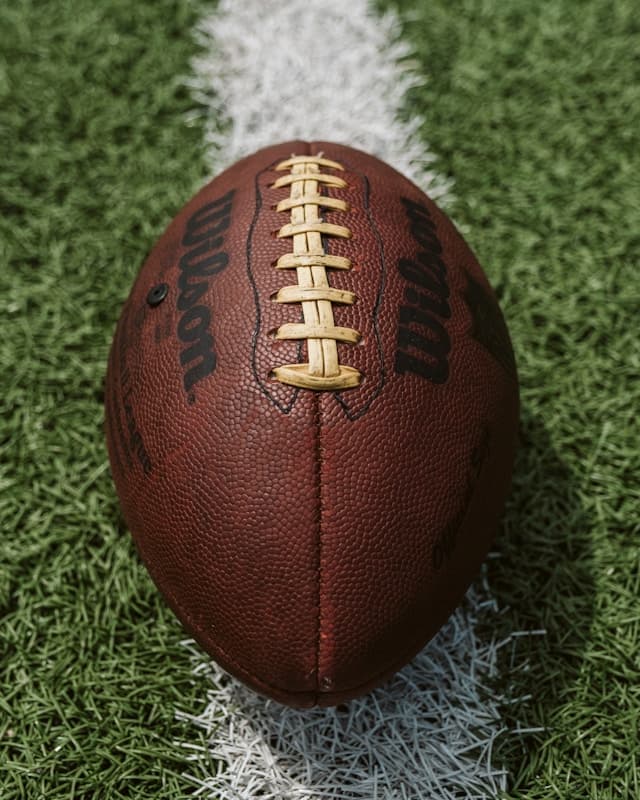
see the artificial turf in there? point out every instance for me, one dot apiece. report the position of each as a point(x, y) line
point(97, 155)
point(533, 110)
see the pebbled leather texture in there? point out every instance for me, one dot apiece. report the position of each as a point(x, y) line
point(312, 542)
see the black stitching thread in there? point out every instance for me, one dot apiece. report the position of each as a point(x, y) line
point(284, 407)
point(339, 398)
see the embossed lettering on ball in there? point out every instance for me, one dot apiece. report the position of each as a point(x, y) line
point(311, 412)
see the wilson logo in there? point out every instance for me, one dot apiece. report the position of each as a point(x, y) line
point(204, 235)
point(423, 342)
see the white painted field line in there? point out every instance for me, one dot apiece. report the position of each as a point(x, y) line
point(286, 69)
point(294, 69)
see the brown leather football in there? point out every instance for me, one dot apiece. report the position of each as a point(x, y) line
point(311, 409)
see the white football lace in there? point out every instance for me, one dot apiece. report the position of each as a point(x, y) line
point(306, 229)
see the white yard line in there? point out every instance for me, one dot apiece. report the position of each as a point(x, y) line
point(284, 69)
point(328, 70)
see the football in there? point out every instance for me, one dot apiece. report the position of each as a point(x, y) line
point(311, 415)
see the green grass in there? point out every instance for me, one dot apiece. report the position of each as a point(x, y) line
point(90, 666)
point(534, 110)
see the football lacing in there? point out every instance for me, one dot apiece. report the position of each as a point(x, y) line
point(306, 229)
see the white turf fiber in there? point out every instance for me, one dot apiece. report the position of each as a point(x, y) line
point(287, 69)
